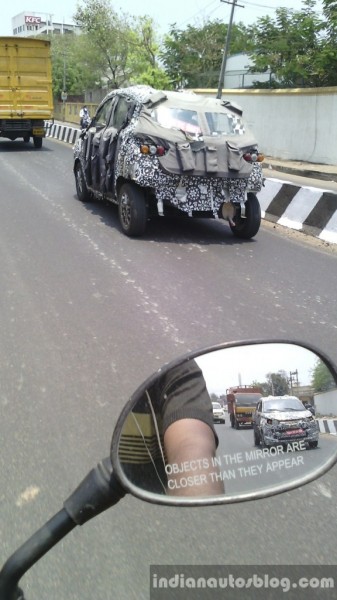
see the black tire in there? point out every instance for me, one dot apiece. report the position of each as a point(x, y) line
point(313, 444)
point(26, 138)
point(232, 421)
point(82, 191)
point(248, 226)
point(257, 439)
point(132, 210)
point(37, 141)
point(237, 424)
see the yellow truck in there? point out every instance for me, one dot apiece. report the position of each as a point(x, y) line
point(26, 99)
point(241, 404)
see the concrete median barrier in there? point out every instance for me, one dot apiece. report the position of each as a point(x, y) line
point(62, 132)
point(328, 426)
point(308, 209)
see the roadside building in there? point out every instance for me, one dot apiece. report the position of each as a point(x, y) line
point(238, 73)
point(29, 23)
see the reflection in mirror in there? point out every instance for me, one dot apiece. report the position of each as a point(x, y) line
point(231, 422)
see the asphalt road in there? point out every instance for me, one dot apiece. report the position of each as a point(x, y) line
point(245, 469)
point(86, 314)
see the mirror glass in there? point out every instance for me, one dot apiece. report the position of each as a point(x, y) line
point(230, 424)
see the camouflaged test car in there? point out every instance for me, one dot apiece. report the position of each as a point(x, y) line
point(169, 153)
point(283, 420)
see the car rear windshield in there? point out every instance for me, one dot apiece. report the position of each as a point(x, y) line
point(218, 123)
point(224, 123)
point(177, 118)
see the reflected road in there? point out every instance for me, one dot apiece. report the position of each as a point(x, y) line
point(245, 468)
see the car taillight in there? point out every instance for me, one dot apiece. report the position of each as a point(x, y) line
point(253, 157)
point(152, 149)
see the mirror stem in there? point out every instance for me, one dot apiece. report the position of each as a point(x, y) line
point(98, 491)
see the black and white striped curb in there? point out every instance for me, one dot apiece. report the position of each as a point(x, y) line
point(328, 426)
point(64, 133)
point(310, 210)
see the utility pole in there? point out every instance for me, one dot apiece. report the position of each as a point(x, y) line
point(293, 374)
point(225, 54)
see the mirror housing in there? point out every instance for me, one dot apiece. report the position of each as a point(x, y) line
point(166, 450)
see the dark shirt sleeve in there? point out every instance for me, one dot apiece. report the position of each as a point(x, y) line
point(183, 395)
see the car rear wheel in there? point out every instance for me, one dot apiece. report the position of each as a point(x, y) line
point(132, 209)
point(82, 191)
point(248, 226)
point(313, 444)
point(37, 141)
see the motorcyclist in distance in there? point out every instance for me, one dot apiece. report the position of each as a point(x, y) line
point(84, 117)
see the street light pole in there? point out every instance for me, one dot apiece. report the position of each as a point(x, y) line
point(225, 54)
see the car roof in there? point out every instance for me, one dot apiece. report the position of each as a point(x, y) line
point(280, 398)
point(147, 94)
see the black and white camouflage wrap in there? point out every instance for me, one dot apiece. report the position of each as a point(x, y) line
point(301, 424)
point(187, 192)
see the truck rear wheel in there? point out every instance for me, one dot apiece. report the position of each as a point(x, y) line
point(237, 424)
point(37, 141)
point(26, 138)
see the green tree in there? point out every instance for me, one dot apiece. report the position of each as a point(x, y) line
point(107, 40)
point(66, 51)
point(120, 49)
point(276, 384)
point(327, 60)
point(289, 46)
point(143, 52)
point(192, 57)
point(322, 379)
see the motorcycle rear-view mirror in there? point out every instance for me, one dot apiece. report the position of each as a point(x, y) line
point(229, 424)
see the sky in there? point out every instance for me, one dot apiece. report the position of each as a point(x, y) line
point(164, 13)
point(226, 368)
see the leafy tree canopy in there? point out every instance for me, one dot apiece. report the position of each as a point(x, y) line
point(192, 57)
point(322, 379)
point(297, 47)
point(276, 384)
point(120, 48)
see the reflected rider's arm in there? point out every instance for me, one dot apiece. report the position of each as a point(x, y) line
point(190, 440)
point(190, 444)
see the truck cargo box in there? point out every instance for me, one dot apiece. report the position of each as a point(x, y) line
point(26, 99)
